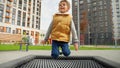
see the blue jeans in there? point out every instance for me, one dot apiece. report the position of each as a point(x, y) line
point(55, 48)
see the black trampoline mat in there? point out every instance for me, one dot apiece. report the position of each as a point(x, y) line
point(61, 62)
point(48, 63)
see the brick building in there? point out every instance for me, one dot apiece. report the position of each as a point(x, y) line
point(20, 16)
point(99, 29)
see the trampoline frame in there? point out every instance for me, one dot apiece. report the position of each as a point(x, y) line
point(15, 63)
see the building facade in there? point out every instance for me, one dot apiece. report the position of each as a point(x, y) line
point(116, 20)
point(99, 26)
point(20, 17)
point(82, 16)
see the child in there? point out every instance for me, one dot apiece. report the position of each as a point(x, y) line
point(60, 29)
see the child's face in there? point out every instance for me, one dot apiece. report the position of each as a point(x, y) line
point(63, 7)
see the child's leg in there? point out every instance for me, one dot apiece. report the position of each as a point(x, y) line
point(65, 49)
point(55, 49)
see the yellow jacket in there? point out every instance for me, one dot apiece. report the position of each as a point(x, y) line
point(61, 27)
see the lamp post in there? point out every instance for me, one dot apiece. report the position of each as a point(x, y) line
point(115, 41)
point(78, 26)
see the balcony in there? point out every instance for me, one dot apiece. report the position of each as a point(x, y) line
point(28, 12)
point(7, 22)
point(10, 0)
point(7, 16)
point(29, 17)
point(8, 11)
point(29, 8)
point(28, 22)
point(29, 3)
point(9, 5)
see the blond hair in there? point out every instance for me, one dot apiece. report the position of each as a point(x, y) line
point(68, 4)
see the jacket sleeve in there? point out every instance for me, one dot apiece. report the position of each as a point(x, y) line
point(74, 33)
point(48, 32)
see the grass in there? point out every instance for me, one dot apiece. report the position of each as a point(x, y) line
point(10, 47)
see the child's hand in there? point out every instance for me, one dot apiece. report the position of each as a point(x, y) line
point(76, 46)
point(43, 41)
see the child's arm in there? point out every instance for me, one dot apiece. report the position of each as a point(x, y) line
point(74, 36)
point(76, 46)
point(47, 34)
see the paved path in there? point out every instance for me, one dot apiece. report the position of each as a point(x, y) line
point(113, 55)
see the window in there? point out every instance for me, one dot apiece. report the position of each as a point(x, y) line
point(100, 13)
point(1, 12)
point(14, 3)
point(29, 0)
point(100, 3)
point(106, 23)
point(13, 32)
point(94, 3)
point(39, 24)
point(24, 32)
point(106, 18)
point(37, 13)
point(1, 6)
point(25, 5)
point(7, 14)
point(24, 18)
point(7, 20)
point(101, 7)
point(32, 21)
point(0, 19)
point(118, 16)
point(105, 6)
point(18, 31)
point(37, 9)
point(105, 12)
point(13, 16)
point(75, 3)
point(28, 22)
point(34, 6)
point(104, 1)
point(1, 15)
point(8, 2)
point(81, 2)
point(94, 9)
point(7, 8)
point(117, 6)
point(19, 17)
point(117, 12)
point(36, 24)
point(2, 1)
point(88, 1)
point(117, 0)
point(20, 4)
point(8, 29)
point(1, 29)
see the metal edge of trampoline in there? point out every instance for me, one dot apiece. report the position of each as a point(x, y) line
point(107, 63)
point(17, 62)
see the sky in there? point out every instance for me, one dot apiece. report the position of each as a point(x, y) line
point(48, 9)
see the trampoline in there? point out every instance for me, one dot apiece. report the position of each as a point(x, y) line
point(36, 61)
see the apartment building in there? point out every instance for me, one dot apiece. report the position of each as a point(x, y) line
point(20, 17)
point(82, 16)
point(116, 20)
point(99, 16)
